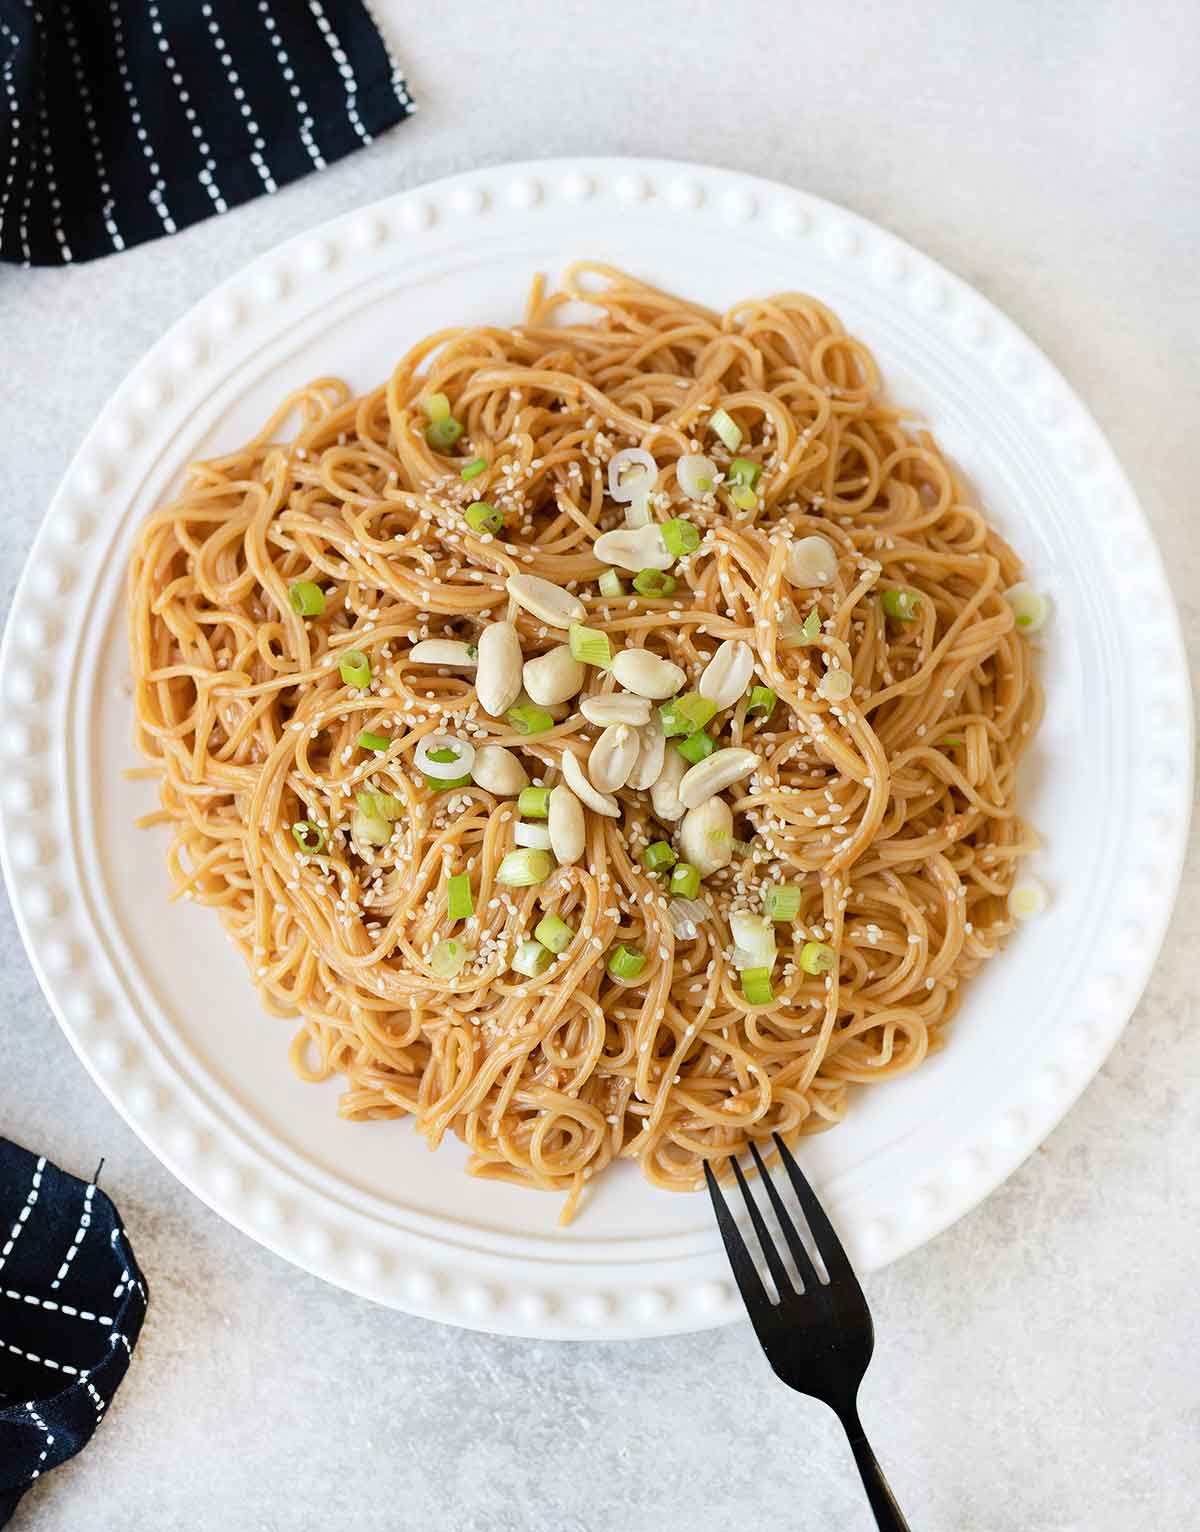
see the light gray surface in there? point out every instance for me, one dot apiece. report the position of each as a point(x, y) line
point(1036, 1365)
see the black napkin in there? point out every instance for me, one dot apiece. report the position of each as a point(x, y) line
point(123, 120)
point(72, 1301)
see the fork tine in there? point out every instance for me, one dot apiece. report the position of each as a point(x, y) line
point(804, 1265)
point(754, 1294)
point(779, 1273)
point(837, 1262)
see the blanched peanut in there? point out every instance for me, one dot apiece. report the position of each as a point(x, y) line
point(646, 674)
point(652, 745)
point(497, 770)
point(664, 795)
point(553, 677)
point(576, 779)
point(498, 677)
point(568, 831)
point(634, 548)
point(715, 774)
point(444, 651)
point(706, 836)
point(616, 707)
point(549, 602)
point(613, 757)
point(727, 674)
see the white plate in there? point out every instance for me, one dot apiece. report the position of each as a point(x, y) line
point(157, 1004)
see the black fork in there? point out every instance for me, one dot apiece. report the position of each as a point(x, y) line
point(819, 1339)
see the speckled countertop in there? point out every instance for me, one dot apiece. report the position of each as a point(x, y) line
point(1035, 1369)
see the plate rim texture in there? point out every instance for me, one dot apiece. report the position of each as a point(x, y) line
point(420, 1272)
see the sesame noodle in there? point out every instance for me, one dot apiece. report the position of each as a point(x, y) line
point(890, 810)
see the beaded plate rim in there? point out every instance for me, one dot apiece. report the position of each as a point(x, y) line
point(419, 1273)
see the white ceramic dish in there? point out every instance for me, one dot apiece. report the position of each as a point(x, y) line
point(158, 1006)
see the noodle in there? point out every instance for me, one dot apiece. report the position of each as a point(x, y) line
point(891, 811)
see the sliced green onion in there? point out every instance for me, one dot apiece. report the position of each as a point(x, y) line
point(685, 880)
point(626, 962)
point(652, 582)
point(743, 471)
point(610, 584)
point(530, 832)
point(782, 901)
point(436, 406)
point(1027, 898)
point(659, 856)
point(817, 957)
point(355, 669)
point(554, 934)
point(532, 959)
point(901, 604)
point(953, 740)
point(680, 536)
point(693, 710)
point(762, 700)
point(449, 957)
point(534, 803)
point(444, 755)
point(473, 469)
point(444, 784)
point(1030, 608)
point(483, 517)
point(380, 805)
point(528, 718)
point(632, 474)
point(727, 428)
point(637, 512)
point(372, 829)
point(460, 903)
point(686, 713)
point(309, 836)
point(524, 868)
point(835, 685)
point(590, 646)
point(696, 747)
point(442, 434)
point(368, 740)
point(754, 940)
point(808, 631)
point(696, 475)
point(307, 598)
point(745, 499)
point(756, 986)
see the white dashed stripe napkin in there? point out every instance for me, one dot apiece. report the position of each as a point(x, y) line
point(72, 1301)
point(123, 120)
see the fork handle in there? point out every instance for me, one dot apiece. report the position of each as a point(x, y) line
point(888, 1515)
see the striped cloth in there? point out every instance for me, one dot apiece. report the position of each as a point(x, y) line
point(72, 1302)
point(123, 120)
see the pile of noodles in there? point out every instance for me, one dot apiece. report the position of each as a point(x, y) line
point(893, 811)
